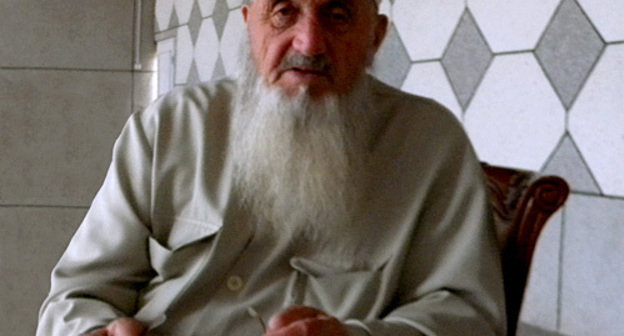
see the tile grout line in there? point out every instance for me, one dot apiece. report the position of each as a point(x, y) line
point(44, 206)
point(12, 68)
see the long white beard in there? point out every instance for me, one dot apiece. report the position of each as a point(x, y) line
point(299, 161)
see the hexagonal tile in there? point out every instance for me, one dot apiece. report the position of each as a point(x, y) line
point(512, 25)
point(183, 10)
point(597, 122)
point(391, 62)
point(428, 79)
point(607, 17)
point(184, 54)
point(425, 26)
point(466, 59)
point(206, 50)
point(232, 33)
point(163, 11)
point(515, 118)
point(568, 50)
point(206, 6)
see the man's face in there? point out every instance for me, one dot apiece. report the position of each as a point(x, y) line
point(320, 45)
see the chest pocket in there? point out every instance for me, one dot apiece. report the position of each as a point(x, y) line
point(173, 253)
point(340, 292)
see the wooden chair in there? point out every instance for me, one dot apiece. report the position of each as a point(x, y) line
point(522, 204)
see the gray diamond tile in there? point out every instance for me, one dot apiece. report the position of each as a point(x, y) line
point(219, 70)
point(220, 15)
point(392, 61)
point(568, 50)
point(195, 22)
point(466, 59)
point(173, 20)
point(193, 77)
point(568, 163)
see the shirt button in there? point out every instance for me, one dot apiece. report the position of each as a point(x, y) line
point(234, 283)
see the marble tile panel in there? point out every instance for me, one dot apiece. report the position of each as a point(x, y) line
point(512, 25)
point(593, 267)
point(429, 80)
point(425, 26)
point(515, 118)
point(596, 121)
point(67, 34)
point(57, 133)
point(31, 242)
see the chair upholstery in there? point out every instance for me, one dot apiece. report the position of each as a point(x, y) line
point(522, 202)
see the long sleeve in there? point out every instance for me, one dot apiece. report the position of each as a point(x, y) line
point(98, 277)
point(450, 280)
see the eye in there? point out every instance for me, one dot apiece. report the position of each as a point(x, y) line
point(283, 15)
point(338, 15)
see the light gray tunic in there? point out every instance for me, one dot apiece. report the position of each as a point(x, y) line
point(167, 241)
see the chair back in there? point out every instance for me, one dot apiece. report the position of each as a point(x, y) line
point(522, 203)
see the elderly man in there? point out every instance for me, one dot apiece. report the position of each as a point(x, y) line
point(305, 191)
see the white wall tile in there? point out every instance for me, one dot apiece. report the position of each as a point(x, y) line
point(234, 3)
point(183, 10)
point(515, 118)
point(597, 121)
point(512, 25)
point(593, 267)
point(541, 297)
point(184, 54)
point(230, 41)
point(607, 17)
point(429, 80)
point(206, 49)
point(425, 26)
point(164, 9)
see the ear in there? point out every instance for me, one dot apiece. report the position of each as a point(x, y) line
point(245, 11)
point(380, 30)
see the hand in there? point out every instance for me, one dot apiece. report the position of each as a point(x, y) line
point(121, 327)
point(304, 321)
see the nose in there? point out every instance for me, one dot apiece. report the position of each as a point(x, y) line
point(309, 37)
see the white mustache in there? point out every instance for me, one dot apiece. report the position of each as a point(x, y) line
point(319, 63)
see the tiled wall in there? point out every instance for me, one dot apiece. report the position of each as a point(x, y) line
point(538, 84)
point(67, 85)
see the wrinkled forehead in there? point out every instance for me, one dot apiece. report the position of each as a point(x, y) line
point(376, 2)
